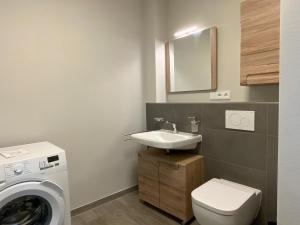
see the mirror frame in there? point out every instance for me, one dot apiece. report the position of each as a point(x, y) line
point(214, 71)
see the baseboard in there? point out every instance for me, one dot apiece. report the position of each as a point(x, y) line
point(94, 204)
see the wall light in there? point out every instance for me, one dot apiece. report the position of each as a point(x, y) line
point(186, 32)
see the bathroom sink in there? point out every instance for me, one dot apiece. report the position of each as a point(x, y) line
point(166, 139)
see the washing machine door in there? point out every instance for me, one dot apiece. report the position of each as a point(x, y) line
point(32, 203)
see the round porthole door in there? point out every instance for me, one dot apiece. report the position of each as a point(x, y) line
point(32, 203)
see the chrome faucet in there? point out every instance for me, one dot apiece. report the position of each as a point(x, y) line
point(173, 125)
point(158, 119)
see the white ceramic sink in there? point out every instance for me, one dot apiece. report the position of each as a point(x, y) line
point(166, 139)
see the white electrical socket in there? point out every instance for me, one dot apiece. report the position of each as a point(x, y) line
point(220, 95)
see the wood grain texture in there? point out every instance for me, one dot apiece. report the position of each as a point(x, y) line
point(180, 158)
point(126, 210)
point(168, 69)
point(214, 58)
point(174, 201)
point(173, 176)
point(260, 39)
point(260, 79)
point(148, 169)
point(179, 174)
point(149, 190)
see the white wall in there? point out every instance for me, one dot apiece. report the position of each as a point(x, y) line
point(225, 15)
point(71, 73)
point(289, 117)
point(154, 49)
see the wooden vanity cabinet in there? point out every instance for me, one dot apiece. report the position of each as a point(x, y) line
point(148, 181)
point(166, 181)
point(260, 35)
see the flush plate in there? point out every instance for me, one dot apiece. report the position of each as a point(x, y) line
point(240, 120)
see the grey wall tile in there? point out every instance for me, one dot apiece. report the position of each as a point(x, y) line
point(182, 114)
point(152, 111)
point(183, 111)
point(168, 111)
point(236, 147)
point(243, 175)
point(272, 167)
point(272, 126)
point(177, 113)
point(213, 115)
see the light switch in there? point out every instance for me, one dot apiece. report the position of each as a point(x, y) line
point(240, 120)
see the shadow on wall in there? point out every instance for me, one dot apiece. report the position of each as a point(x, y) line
point(265, 93)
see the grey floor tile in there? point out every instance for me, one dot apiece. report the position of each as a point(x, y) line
point(127, 210)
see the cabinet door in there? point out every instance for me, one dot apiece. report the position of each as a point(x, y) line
point(172, 176)
point(148, 169)
point(148, 181)
point(149, 190)
point(172, 189)
point(260, 33)
point(173, 201)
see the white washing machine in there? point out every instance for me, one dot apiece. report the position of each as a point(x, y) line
point(34, 185)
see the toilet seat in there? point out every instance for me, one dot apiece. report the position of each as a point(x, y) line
point(223, 197)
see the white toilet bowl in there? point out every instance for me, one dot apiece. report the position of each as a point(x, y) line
point(221, 202)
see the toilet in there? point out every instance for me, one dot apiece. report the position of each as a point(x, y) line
point(222, 202)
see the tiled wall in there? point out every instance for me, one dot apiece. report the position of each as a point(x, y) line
point(248, 158)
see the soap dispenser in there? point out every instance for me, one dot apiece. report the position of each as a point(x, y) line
point(194, 124)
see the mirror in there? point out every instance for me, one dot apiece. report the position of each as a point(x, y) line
point(191, 62)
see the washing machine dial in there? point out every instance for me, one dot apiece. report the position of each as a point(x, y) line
point(18, 169)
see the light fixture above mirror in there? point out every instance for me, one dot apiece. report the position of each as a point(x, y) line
point(187, 32)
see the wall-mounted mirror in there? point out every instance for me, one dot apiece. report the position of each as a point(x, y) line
point(191, 62)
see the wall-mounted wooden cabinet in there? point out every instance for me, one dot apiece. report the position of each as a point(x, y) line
point(260, 33)
point(166, 181)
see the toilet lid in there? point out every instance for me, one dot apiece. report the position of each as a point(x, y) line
point(220, 197)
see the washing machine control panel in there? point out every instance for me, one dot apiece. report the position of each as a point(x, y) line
point(49, 162)
point(43, 165)
point(18, 169)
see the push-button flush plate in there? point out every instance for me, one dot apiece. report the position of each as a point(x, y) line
point(240, 120)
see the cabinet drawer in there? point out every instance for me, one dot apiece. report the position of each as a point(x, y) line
point(260, 74)
point(148, 169)
point(269, 78)
point(173, 201)
point(149, 190)
point(172, 176)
